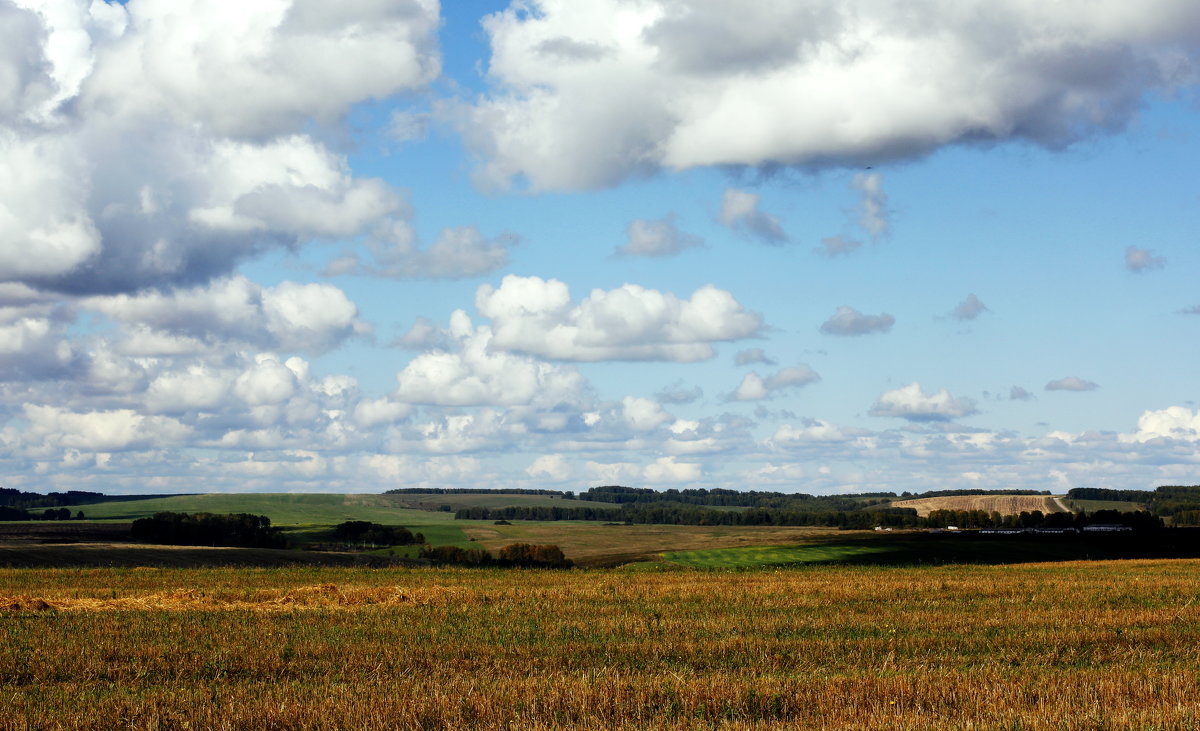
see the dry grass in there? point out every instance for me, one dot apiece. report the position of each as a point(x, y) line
point(1053, 646)
point(593, 544)
point(1003, 504)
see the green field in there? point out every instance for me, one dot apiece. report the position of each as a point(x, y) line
point(766, 556)
point(432, 501)
point(1091, 506)
point(282, 508)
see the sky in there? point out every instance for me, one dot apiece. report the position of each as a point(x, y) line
point(820, 247)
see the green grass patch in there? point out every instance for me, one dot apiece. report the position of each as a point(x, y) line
point(1091, 506)
point(757, 556)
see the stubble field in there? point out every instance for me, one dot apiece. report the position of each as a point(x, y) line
point(1003, 504)
point(1085, 645)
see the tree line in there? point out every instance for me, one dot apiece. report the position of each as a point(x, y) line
point(1179, 502)
point(8, 513)
point(681, 514)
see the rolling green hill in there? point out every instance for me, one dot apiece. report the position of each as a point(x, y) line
point(283, 509)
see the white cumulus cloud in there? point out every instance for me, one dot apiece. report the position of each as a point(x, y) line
point(913, 404)
point(657, 237)
point(537, 316)
point(740, 212)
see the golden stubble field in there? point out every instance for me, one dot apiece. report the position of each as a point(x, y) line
point(1053, 646)
point(1003, 504)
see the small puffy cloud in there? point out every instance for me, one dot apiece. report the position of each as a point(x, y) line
point(478, 375)
point(643, 414)
point(458, 253)
point(818, 432)
point(873, 213)
point(288, 316)
point(660, 237)
point(420, 471)
point(1140, 260)
point(970, 308)
point(677, 393)
point(750, 356)
point(913, 404)
point(740, 212)
point(370, 413)
point(1016, 393)
point(664, 469)
point(424, 335)
point(1071, 383)
point(754, 387)
point(552, 466)
point(103, 431)
point(192, 388)
point(35, 347)
point(537, 316)
point(266, 383)
point(832, 246)
point(849, 321)
point(1175, 422)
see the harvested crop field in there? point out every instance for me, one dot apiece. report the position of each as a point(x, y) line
point(1003, 504)
point(1055, 646)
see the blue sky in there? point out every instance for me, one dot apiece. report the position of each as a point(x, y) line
point(810, 247)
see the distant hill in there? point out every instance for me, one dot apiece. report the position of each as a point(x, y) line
point(1003, 504)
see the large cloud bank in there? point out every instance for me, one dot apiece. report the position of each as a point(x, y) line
point(588, 92)
point(161, 143)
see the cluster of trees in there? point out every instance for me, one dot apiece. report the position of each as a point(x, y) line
point(527, 555)
point(362, 533)
point(209, 529)
point(7, 513)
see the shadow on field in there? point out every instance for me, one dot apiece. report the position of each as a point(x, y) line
point(974, 548)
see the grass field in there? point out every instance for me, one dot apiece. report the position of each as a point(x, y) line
point(489, 500)
point(1003, 504)
point(1092, 506)
point(597, 544)
point(281, 508)
point(1051, 646)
